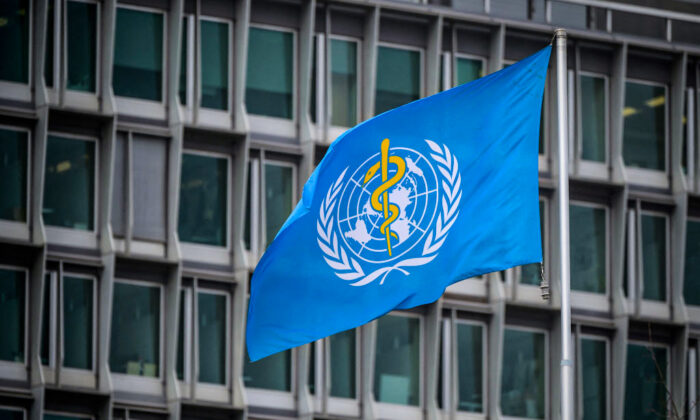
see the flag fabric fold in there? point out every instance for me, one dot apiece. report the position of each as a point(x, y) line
point(403, 205)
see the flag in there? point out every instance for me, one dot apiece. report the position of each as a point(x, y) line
point(403, 205)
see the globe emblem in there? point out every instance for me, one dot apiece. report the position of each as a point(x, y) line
point(376, 231)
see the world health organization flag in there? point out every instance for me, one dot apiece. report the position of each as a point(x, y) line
point(403, 205)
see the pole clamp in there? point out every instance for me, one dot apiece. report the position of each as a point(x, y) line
point(566, 362)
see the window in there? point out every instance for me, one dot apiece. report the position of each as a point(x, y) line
point(81, 45)
point(691, 285)
point(149, 156)
point(468, 69)
point(52, 16)
point(138, 75)
point(594, 368)
point(45, 352)
point(270, 75)
point(11, 413)
point(344, 69)
point(14, 41)
point(272, 372)
point(279, 180)
point(398, 78)
point(342, 364)
point(69, 183)
point(523, 381)
point(470, 367)
point(203, 199)
point(184, 58)
point(53, 416)
point(644, 140)
point(214, 48)
point(654, 256)
point(183, 327)
point(136, 330)
point(13, 312)
point(212, 314)
point(78, 300)
point(593, 118)
point(588, 248)
point(14, 162)
point(531, 273)
point(646, 382)
point(397, 375)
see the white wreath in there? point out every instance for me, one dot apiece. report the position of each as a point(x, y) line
point(347, 268)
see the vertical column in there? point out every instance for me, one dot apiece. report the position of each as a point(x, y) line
point(497, 48)
point(432, 73)
point(368, 349)
point(369, 62)
point(619, 364)
point(617, 104)
point(433, 335)
point(496, 330)
point(240, 50)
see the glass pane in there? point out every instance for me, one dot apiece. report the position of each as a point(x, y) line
point(48, 56)
point(593, 100)
point(311, 380)
point(8, 414)
point(211, 311)
point(44, 352)
point(342, 364)
point(180, 362)
point(269, 84)
point(14, 40)
point(149, 165)
point(531, 273)
point(523, 374)
point(470, 360)
point(645, 393)
point(77, 322)
point(344, 83)
point(594, 368)
point(691, 287)
point(246, 221)
point(654, 257)
point(81, 43)
point(468, 69)
point(182, 86)
point(272, 372)
point(278, 198)
point(203, 200)
point(49, 416)
point(398, 78)
point(138, 54)
point(314, 80)
point(397, 363)
point(588, 249)
point(119, 182)
point(69, 183)
point(644, 143)
point(569, 15)
point(135, 338)
point(512, 9)
point(13, 175)
point(12, 313)
point(214, 50)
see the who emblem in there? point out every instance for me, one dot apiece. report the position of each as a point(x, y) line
point(393, 211)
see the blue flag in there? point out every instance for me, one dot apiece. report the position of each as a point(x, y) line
point(403, 205)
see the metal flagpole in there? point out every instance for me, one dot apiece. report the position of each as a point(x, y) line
point(567, 366)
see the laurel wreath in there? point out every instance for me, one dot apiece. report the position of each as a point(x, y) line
point(347, 268)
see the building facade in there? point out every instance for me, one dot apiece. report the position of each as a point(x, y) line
point(151, 149)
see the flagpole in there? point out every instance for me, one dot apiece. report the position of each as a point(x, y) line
point(567, 366)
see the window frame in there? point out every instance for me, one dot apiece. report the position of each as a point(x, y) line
point(282, 164)
point(466, 415)
point(592, 300)
point(421, 68)
point(453, 62)
point(590, 168)
point(274, 125)
point(18, 370)
point(211, 116)
point(78, 237)
point(205, 252)
point(52, 289)
point(339, 405)
point(336, 130)
point(693, 310)
point(531, 293)
point(205, 390)
point(136, 383)
point(23, 91)
point(653, 307)
point(408, 412)
point(690, 102)
point(78, 98)
point(651, 177)
point(53, 92)
point(146, 107)
point(608, 371)
point(12, 228)
point(185, 384)
point(76, 376)
point(68, 413)
point(547, 369)
point(14, 408)
point(188, 107)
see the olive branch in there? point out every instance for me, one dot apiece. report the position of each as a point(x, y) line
point(347, 268)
